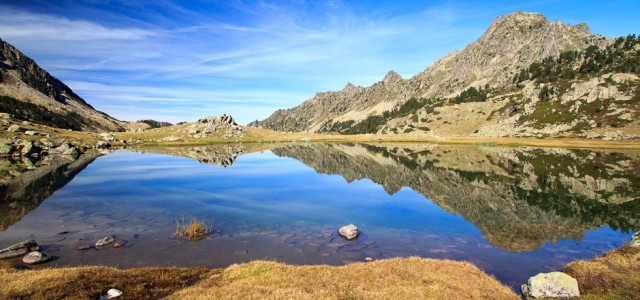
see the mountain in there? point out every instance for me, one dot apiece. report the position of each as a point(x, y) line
point(467, 92)
point(30, 93)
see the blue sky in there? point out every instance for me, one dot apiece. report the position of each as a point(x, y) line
point(182, 60)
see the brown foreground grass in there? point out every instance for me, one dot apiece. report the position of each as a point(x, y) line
point(401, 278)
point(91, 282)
point(615, 275)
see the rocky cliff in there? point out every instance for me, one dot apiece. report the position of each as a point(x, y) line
point(510, 45)
point(30, 93)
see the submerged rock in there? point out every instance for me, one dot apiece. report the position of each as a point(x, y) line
point(551, 285)
point(104, 242)
point(35, 257)
point(19, 249)
point(348, 232)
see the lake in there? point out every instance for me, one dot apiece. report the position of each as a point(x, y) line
point(513, 212)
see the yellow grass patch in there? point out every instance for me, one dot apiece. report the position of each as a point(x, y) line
point(401, 278)
point(193, 230)
point(615, 275)
point(91, 282)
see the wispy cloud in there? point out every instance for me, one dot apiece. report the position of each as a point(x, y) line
point(172, 60)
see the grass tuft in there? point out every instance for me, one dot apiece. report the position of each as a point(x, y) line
point(193, 230)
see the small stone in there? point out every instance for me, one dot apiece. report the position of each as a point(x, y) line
point(368, 259)
point(35, 257)
point(551, 285)
point(84, 247)
point(118, 245)
point(348, 232)
point(114, 293)
point(31, 132)
point(19, 249)
point(104, 242)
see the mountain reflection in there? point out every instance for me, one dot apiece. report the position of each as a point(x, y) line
point(25, 183)
point(519, 198)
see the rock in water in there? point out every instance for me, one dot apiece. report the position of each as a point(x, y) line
point(19, 249)
point(104, 242)
point(551, 285)
point(35, 257)
point(349, 232)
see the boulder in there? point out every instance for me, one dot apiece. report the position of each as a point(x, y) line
point(104, 242)
point(5, 116)
point(32, 132)
point(551, 285)
point(113, 293)
point(635, 240)
point(16, 128)
point(349, 232)
point(109, 137)
point(29, 149)
point(19, 249)
point(102, 145)
point(35, 257)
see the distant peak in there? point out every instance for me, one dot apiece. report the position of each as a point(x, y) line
point(350, 89)
point(392, 77)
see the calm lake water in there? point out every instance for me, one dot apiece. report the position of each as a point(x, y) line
point(513, 212)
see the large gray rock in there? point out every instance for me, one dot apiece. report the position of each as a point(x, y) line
point(35, 257)
point(551, 285)
point(19, 249)
point(348, 232)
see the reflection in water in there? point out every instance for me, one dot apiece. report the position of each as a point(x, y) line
point(496, 207)
point(221, 154)
point(519, 197)
point(26, 183)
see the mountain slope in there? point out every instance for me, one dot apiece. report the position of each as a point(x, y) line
point(31, 93)
point(512, 43)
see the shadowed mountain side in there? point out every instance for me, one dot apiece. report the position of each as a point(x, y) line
point(30, 93)
point(515, 204)
point(23, 190)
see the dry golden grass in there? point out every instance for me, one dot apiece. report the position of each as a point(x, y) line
point(615, 275)
point(402, 278)
point(193, 230)
point(91, 282)
point(258, 135)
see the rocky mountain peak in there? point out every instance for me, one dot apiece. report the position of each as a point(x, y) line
point(392, 78)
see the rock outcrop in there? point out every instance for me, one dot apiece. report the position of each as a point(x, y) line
point(224, 124)
point(31, 93)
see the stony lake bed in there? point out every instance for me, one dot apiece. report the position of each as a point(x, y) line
point(513, 212)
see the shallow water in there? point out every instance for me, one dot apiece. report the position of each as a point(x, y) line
point(514, 212)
